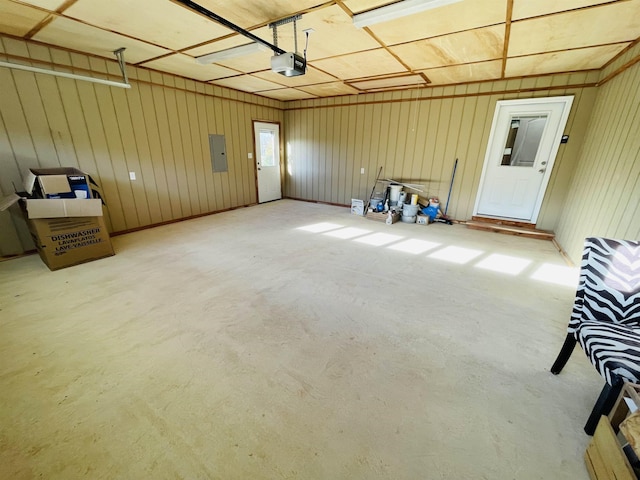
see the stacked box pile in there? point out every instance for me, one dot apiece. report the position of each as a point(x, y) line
point(65, 220)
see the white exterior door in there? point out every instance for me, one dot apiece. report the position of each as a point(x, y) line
point(522, 148)
point(267, 138)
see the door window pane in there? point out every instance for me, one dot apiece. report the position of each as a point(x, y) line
point(267, 148)
point(523, 140)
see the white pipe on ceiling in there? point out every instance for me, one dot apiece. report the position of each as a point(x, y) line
point(55, 73)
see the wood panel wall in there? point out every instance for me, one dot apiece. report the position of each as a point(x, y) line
point(158, 129)
point(416, 135)
point(604, 198)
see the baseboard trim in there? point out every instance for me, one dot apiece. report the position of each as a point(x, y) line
point(318, 201)
point(564, 254)
point(177, 220)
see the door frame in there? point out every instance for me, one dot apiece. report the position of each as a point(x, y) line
point(255, 156)
point(567, 100)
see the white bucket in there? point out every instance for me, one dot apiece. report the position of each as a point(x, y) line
point(409, 210)
point(394, 194)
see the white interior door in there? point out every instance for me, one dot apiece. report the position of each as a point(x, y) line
point(267, 138)
point(522, 148)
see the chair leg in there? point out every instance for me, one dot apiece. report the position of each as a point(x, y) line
point(604, 404)
point(565, 353)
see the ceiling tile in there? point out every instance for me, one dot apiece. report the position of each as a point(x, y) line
point(51, 5)
point(611, 23)
point(361, 64)
point(311, 77)
point(286, 94)
point(19, 19)
point(358, 6)
point(527, 8)
point(452, 18)
point(74, 35)
point(247, 83)
point(329, 89)
point(334, 34)
point(465, 47)
point(165, 23)
point(249, 13)
point(472, 72)
point(186, 66)
point(217, 45)
point(567, 61)
point(381, 83)
point(248, 63)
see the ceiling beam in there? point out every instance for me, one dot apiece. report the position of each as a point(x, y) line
point(507, 34)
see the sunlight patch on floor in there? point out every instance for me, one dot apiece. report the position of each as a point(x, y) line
point(414, 246)
point(320, 227)
point(504, 264)
point(346, 233)
point(379, 239)
point(559, 274)
point(459, 255)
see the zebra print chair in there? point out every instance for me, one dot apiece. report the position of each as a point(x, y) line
point(606, 318)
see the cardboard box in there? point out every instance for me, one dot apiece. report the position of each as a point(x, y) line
point(66, 232)
point(382, 217)
point(66, 182)
point(420, 220)
point(357, 206)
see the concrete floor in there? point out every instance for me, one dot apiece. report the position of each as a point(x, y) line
point(240, 346)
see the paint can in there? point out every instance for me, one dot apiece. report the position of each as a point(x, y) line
point(414, 199)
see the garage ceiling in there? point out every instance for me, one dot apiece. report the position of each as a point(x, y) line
point(468, 41)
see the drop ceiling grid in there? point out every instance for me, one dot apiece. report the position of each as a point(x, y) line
point(184, 65)
point(479, 45)
point(247, 83)
point(18, 19)
point(457, 43)
point(602, 25)
point(68, 33)
point(527, 8)
point(250, 13)
point(51, 5)
point(570, 60)
point(390, 82)
point(444, 20)
point(491, 70)
point(161, 23)
point(362, 64)
point(287, 94)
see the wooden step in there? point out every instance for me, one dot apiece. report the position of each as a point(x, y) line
point(502, 221)
point(510, 230)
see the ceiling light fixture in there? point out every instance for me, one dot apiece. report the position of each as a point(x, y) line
point(397, 10)
point(234, 52)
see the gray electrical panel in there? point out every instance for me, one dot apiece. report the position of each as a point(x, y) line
point(218, 153)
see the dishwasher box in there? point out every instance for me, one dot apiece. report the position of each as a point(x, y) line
point(66, 231)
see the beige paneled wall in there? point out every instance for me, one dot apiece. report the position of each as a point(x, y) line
point(604, 197)
point(159, 129)
point(416, 136)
